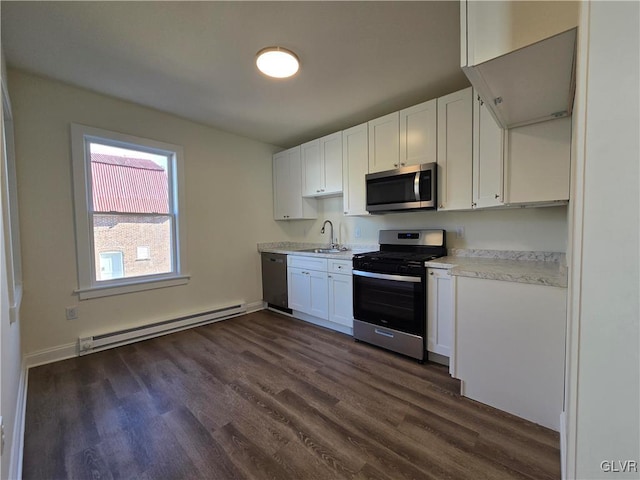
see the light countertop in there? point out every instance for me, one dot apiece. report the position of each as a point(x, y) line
point(293, 248)
point(535, 272)
point(538, 268)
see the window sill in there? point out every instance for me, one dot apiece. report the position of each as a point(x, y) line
point(130, 287)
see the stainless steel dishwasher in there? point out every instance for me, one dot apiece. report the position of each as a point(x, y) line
point(274, 280)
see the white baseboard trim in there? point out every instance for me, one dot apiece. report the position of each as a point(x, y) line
point(70, 350)
point(50, 355)
point(17, 442)
point(322, 323)
point(256, 306)
point(563, 445)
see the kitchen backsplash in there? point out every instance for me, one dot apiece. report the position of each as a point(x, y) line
point(519, 229)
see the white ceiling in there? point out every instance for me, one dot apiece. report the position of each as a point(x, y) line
point(359, 60)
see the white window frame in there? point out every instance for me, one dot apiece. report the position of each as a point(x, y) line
point(10, 220)
point(88, 286)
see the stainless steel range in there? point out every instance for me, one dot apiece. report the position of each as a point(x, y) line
point(390, 290)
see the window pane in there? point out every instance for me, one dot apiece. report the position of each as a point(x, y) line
point(126, 180)
point(116, 241)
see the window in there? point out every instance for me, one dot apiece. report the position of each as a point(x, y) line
point(127, 193)
point(9, 201)
point(143, 253)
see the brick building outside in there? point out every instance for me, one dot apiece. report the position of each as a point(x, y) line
point(131, 222)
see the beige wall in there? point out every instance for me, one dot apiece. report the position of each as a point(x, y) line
point(228, 205)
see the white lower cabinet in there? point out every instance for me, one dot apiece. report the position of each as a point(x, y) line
point(340, 293)
point(439, 312)
point(321, 288)
point(510, 342)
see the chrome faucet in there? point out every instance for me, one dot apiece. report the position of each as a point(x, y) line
point(331, 244)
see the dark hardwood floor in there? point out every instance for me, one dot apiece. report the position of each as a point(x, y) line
point(268, 397)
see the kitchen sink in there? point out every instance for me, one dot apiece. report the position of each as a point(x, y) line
point(324, 250)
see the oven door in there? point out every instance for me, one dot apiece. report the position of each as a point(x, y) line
point(388, 300)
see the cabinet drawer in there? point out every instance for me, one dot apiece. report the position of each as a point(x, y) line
point(340, 266)
point(310, 263)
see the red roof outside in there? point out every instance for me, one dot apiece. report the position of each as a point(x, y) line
point(122, 184)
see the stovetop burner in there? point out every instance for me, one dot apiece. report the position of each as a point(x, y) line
point(399, 256)
point(403, 252)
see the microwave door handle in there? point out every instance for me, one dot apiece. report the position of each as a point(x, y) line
point(416, 186)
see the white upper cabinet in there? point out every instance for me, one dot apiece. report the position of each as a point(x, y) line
point(537, 163)
point(355, 165)
point(288, 203)
point(418, 134)
point(519, 55)
point(455, 152)
point(322, 166)
point(488, 156)
point(384, 143)
point(311, 168)
point(331, 161)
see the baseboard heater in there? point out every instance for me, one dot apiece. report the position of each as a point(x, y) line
point(118, 338)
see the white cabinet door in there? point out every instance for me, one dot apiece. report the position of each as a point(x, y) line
point(281, 190)
point(520, 56)
point(537, 163)
point(312, 178)
point(288, 203)
point(418, 134)
point(331, 161)
point(488, 155)
point(355, 165)
point(439, 311)
point(299, 289)
point(384, 143)
point(341, 299)
point(455, 152)
point(319, 295)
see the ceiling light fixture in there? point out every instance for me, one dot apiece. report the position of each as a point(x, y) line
point(277, 62)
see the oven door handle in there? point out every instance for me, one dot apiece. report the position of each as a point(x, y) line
point(386, 276)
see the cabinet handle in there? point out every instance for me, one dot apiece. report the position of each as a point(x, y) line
point(430, 273)
point(322, 189)
point(473, 204)
point(497, 195)
point(441, 205)
point(402, 163)
point(317, 191)
point(329, 276)
point(395, 164)
point(346, 213)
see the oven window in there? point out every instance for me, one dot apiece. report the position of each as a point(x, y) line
point(394, 189)
point(389, 303)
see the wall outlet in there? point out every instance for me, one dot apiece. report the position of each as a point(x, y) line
point(460, 232)
point(72, 313)
point(357, 232)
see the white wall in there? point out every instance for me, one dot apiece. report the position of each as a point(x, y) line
point(540, 229)
point(603, 381)
point(228, 204)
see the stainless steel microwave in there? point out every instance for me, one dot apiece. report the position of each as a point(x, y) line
point(407, 188)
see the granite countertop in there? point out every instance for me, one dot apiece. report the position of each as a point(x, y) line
point(294, 248)
point(538, 268)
